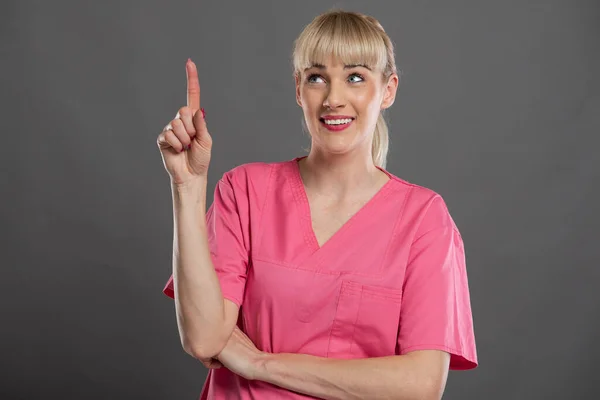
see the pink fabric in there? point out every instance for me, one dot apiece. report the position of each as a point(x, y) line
point(391, 280)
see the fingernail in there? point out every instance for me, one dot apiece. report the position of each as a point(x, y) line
point(203, 113)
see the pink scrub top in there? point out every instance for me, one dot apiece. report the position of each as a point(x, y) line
point(392, 280)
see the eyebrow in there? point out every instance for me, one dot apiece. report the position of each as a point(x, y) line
point(347, 66)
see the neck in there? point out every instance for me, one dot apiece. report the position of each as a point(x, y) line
point(339, 175)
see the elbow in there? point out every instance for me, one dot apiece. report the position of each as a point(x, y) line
point(200, 352)
point(205, 344)
point(204, 350)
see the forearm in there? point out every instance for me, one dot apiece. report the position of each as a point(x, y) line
point(394, 377)
point(198, 298)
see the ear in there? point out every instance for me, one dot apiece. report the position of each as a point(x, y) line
point(297, 79)
point(390, 89)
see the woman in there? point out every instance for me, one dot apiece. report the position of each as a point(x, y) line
point(351, 281)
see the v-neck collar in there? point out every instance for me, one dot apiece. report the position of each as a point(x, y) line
point(299, 194)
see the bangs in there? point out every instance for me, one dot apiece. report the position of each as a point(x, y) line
point(344, 36)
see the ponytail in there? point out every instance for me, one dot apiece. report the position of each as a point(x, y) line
point(381, 142)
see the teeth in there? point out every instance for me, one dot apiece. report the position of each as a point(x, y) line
point(337, 121)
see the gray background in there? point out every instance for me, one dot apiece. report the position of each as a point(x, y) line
point(498, 110)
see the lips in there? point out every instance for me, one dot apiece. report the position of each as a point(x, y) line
point(344, 121)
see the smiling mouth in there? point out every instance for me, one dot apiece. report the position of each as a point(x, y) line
point(336, 124)
point(339, 121)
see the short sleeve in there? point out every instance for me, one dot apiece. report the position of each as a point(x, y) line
point(436, 309)
point(227, 243)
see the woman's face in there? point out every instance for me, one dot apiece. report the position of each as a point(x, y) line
point(341, 104)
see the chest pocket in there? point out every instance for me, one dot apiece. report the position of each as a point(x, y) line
point(366, 321)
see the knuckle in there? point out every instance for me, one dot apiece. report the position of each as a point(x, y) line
point(184, 112)
point(176, 123)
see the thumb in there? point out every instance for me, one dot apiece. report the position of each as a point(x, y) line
point(202, 138)
point(200, 121)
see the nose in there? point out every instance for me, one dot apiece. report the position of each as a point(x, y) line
point(335, 96)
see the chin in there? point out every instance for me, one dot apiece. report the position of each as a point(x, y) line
point(336, 142)
point(337, 146)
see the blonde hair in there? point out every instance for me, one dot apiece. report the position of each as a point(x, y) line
point(352, 38)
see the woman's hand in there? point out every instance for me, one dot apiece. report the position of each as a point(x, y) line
point(211, 363)
point(241, 356)
point(185, 143)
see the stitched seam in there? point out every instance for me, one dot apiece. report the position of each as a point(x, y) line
point(262, 211)
point(228, 186)
point(282, 264)
point(432, 345)
point(423, 217)
point(352, 339)
point(301, 199)
point(337, 306)
point(398, 221)
point(396, 299)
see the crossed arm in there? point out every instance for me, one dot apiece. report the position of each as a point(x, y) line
point(417, 375)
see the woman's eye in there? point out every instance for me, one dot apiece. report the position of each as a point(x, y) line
point(360, 78)
point(354, 78)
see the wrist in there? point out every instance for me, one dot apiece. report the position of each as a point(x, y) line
point(193, 185)
point(190, 194)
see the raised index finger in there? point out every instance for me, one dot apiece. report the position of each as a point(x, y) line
point(193, 85)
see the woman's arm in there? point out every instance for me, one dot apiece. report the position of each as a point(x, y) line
point(204, 320)
point(417, 375)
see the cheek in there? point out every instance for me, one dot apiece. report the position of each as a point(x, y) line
point(363, 102)
point(366, 99)
point(311, 99)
